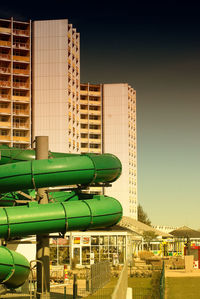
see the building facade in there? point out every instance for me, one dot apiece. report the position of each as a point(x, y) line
point(119, 138)
point(56, 84)
point(15, 83)
point(91, 118)
point(108, 125)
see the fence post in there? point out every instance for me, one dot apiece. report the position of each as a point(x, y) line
point(75, 286)
point(162, 282)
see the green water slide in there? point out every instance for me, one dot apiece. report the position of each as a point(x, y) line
point(14, 268)
point(74, 211)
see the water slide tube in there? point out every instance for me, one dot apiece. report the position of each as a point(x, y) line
point(80, 169)
point(96, 211)
point(14, 268)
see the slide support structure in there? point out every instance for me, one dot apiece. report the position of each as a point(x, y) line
point(42, 247)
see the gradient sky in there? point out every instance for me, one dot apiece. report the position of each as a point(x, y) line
point(158, 55)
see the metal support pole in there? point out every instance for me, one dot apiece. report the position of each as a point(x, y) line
point(75, 287)
point(42, 247)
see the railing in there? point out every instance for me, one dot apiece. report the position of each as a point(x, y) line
point(5, 97)
point(21, 98)
point(21, 45)
point(21, 85)
point(20, 126)
point(5, 43)
point(5, 83)
point(20, 112)
point(5, 30)
point(21, 71)
point(122, 284)
point(162, 282)
point(5, 70)
point(21, 58)
point(5, 124)
point(4, 137)
point(5, 56)
point(21, 32)
point(21, 138)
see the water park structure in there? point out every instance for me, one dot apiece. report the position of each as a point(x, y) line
point(21, 176)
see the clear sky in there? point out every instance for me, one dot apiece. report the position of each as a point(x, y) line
point(159, 55)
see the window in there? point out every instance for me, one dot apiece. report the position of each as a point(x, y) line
point(3, 132)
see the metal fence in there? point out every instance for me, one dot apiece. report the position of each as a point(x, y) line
point(99, 275)
point(122, 284)
point(142, 293)
point(162, 282)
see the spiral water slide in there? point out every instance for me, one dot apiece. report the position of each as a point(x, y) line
point(19, 171)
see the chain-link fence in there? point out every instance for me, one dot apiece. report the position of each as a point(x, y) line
point(99, 275)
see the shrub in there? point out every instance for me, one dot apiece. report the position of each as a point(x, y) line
point(143, 255)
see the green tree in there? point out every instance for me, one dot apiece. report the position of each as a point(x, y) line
point(142, 216)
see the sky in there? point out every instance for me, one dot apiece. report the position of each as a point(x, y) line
point(157, 51)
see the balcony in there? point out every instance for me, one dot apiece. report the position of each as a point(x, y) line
point(21, 58)
point(83, 92)
point(18, 125)
point(5, 124)
point(24, 46)
point(5, 43)
point(84, 140)
point(95, 141)
point(95, 103)
point(4, 137)
point(5, 56)
point(21, 85)
point(84, 131)
point(4, 97)
point(95, 131)
point(95, 150)
point(5, 30)
point(84, 149)
point(21, 112)
point(85, 102)
point(94, 93)
point(5, 84)
point(83, 111)
point(21, 71)
point(21, 32)
point(21, 139)
point(5, 70)
point(21, 98)
point(84, 121)
point(95, 112)
point(5, 111)
point(95, 121)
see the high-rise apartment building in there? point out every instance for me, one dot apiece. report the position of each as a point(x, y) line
point(56, 84)
point(15, 83)
point(108, 124)
point(119, 138)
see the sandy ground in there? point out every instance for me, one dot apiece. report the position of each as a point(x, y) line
point(182, 273)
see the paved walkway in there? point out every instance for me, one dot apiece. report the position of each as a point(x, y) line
point(182, 273)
